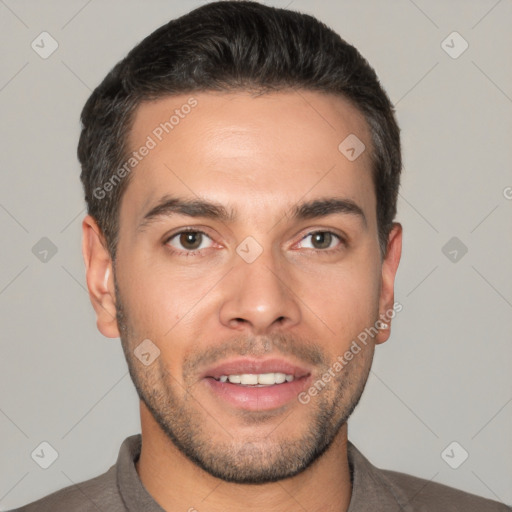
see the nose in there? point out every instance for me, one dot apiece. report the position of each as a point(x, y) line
point(259, 297)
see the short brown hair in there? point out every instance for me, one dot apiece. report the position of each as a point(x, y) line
point(229, 46)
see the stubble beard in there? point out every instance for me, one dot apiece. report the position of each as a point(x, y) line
point(253, 459)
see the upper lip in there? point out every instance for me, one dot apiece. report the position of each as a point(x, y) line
point(255, 366)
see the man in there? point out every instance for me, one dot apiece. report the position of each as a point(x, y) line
point(241, 168)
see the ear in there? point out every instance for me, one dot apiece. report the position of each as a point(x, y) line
point(99, 277)
point(389, 268)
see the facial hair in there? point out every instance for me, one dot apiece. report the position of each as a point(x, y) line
point(253, 459)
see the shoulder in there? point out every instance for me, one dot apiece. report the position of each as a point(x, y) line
point(98, 493)
point(385, 490)
point(425, 495)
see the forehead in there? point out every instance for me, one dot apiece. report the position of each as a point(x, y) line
point(255, 154)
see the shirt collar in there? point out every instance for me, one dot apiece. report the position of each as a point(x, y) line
point(371, 490)
point(133, 493)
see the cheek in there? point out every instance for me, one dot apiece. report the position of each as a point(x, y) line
point(164, 302)
point(346, 297)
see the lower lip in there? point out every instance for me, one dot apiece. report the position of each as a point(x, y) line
point(253, 398)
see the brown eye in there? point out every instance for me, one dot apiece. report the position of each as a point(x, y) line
point(189, 241)
point(322, 240)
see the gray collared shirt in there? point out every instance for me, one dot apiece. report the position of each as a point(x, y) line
point(120, 490)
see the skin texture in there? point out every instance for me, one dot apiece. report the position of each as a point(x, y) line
point(303, 299)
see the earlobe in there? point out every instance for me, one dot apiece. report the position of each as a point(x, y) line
point(387, 293)
point(98, 270)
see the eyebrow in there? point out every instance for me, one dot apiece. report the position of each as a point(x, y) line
point(169, 206)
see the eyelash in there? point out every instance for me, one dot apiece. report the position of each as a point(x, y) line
point(199, 252)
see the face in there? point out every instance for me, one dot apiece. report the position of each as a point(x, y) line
point(248, 255)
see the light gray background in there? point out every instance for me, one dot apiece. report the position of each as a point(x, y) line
point(445, 373)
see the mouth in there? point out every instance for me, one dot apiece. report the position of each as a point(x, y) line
point(257, 379)
point(256, 385)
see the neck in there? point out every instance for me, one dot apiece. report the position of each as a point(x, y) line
point(177, 484)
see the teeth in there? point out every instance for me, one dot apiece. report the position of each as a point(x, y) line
point(281, 377)
point(248, 378)
point(265, 378)
point(262, 379)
